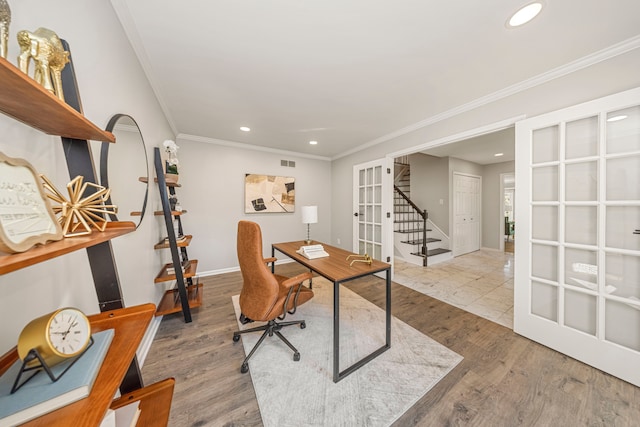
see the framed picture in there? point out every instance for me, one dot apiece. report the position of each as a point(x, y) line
point(26, 218)
point(269, 193)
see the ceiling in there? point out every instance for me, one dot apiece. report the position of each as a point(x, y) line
point(349, 73)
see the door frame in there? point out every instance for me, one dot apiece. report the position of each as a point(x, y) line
point(502, 190)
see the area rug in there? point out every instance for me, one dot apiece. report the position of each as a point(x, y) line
point(303, 393)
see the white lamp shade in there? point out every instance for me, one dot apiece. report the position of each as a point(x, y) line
point(309, 214)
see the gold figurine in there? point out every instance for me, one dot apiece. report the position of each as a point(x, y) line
point(5, 20)
point(48, 54)
point(365, 258)
point(80, 212)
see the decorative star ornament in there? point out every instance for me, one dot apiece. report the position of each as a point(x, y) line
point(80, 212)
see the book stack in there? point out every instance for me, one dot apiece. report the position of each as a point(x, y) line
point(40, 395)
point(185, 266)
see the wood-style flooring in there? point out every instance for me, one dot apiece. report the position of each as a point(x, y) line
point(504, 379)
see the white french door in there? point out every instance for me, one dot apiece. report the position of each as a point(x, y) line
point(466, 213)
point(372, 209)
point(577, 258)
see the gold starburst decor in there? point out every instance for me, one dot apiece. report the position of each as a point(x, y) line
point(80, 212)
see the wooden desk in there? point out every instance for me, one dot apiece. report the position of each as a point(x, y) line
point(336, 269)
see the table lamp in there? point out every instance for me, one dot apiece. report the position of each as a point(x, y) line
point(309, 216)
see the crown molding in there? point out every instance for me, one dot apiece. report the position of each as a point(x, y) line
point(556, 73)
point(242, 146)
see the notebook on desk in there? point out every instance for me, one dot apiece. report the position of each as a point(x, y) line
point(312, 251)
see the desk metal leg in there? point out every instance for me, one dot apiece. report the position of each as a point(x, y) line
point(337, 375)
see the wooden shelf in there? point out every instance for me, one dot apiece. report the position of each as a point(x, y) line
point(163, 244)
point(37, 254)
point(170, 302)
point(27, 101)
point(169, 184)
point(189, 272)
point(155, 402)
point(130, 325)
point(174, 213)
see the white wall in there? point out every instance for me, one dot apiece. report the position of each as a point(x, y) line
point(110, 81)
point(429, 185)
point(605, 77)
point(212, 179)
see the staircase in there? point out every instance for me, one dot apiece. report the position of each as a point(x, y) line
point(414, 232)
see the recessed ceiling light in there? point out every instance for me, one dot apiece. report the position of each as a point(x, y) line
point(245, 129)
point(313, 142)
point(524, 15)
point(617, 118)
point(498, 155)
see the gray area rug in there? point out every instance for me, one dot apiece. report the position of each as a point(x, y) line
point(303, 393)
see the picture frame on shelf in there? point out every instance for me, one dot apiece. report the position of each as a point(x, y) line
point(26, 217)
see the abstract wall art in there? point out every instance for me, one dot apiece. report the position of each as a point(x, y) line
point(269, 194)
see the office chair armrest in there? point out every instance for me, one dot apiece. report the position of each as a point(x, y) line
point(296, 280)
point(270, 260)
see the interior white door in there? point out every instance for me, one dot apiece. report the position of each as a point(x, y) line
point(577, 258)
point(466, 213)
point(372, 210)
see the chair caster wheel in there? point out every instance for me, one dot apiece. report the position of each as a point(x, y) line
point(244, 368)
point(296, 356)
point(303, 325)
point(236, 337)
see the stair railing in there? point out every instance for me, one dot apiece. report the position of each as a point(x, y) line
point(424, 215)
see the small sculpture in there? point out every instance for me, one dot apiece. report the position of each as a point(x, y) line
point(83, 209)
point(5, 20)
point(46, 50)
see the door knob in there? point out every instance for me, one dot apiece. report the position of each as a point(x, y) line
point(355, 214)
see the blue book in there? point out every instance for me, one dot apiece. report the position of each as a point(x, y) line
point(40, 395)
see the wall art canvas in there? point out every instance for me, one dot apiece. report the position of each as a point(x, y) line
point(269, 193)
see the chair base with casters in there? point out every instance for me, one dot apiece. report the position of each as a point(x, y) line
point(272, 327)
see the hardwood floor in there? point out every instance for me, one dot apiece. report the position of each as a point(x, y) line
point(504, 379)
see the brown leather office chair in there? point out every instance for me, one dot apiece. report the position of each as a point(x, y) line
point(265, 296)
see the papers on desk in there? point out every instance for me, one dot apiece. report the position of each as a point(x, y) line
point(312, 251)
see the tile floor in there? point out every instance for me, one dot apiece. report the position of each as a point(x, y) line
point(480, 282)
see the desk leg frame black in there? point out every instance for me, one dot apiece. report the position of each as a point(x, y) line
point(337, 375)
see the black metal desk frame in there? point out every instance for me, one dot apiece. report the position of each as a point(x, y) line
point(337, 374)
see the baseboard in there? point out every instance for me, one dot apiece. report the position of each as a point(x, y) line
point(234, 269)
point(147, 340)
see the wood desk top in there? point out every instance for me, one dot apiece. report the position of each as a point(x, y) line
point(335, 267)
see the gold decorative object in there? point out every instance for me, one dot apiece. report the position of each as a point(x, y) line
point(5, 20)
point(80, 212)
point(364, 258)
point(57, 336)
point(48, 54)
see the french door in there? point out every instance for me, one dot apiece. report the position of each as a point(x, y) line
point(577, 258)
point(372, 230)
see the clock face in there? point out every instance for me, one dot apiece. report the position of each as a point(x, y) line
point(69, 332)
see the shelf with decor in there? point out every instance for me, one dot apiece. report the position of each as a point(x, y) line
point(41, 253)
point(26, 101)
point(130, 325)
point(186, 294)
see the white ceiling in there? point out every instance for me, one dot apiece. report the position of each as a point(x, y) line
point(349, 72)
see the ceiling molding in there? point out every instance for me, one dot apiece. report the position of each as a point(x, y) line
point(571, 67)
point(242, 146)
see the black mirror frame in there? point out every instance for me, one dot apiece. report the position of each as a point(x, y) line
point(104, 163)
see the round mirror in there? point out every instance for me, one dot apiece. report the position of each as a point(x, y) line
point(124, 169)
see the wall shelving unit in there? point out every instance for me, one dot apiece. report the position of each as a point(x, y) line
point(26, 101)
